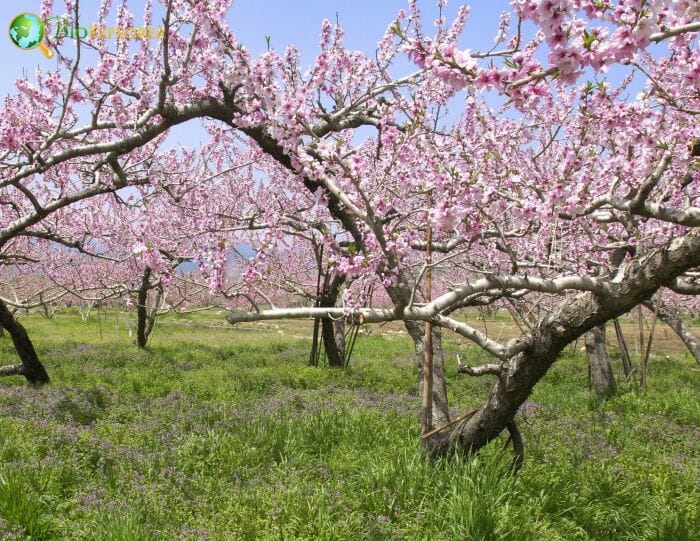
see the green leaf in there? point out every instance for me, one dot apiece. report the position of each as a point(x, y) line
point(396, 29)
point(589, 39)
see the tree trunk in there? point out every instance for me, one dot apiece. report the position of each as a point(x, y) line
point(440, 407)
point(335, 353)
point(339, 331)
point(535, 352)
point(335, 349)
point(624, 351)
point(142, 309)
point(673, 319)
point(32, 369)
point(313, 354)
point(599, 362)
point(153, 314)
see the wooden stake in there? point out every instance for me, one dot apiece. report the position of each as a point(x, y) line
point(428, 341)
point(624, 352)
point(313, 355)
point(640, 322)
point(645, 361)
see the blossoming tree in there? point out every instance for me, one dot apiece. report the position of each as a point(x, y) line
point(507, 173)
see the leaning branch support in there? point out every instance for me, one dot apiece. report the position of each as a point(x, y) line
point(672, 318)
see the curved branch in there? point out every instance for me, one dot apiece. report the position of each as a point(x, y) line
point(554, 285)
point(480, 339)
point(482, 370)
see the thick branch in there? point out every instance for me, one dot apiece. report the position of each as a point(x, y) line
point(12, 370)
point(670, 317)
point(482, 370)
point(555, 285)
point(534, 352)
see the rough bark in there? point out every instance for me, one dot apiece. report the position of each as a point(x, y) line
point(440, 407)
point(313, 354)
point(12, 370)
point(143, 326)
point(32, 369)
point(534, 352)
point(153, 314)
point(335, 354)
point(672, 318)
point(339, 331)
point(624, 351)
point(599, 362)
point(335, 349)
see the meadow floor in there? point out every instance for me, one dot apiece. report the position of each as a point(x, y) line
point(224, 433)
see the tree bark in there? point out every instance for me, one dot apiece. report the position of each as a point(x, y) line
point(339, 331)
point(153, 314)
point(440, 407)
point(672, 318)
point(335, 349)
point(335, 353)
point(533, 353)
point(32, 369)
point(599, 362)
point(313, 354)
point(142, 309)
point(624, 351)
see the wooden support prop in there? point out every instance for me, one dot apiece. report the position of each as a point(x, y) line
point(428, 341)
point(451, 423)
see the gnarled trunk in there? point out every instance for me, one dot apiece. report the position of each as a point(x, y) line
point(145, 319)
point(534, 352)
point(599, 362)
point(672, 318)
point(31, 368)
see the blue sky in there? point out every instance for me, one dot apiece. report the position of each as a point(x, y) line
point(285, 22)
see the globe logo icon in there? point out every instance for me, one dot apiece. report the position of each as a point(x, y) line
point(27, 32)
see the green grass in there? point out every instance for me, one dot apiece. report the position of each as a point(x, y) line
point(224, 433)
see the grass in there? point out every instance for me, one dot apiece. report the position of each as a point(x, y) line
point(224, 433)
